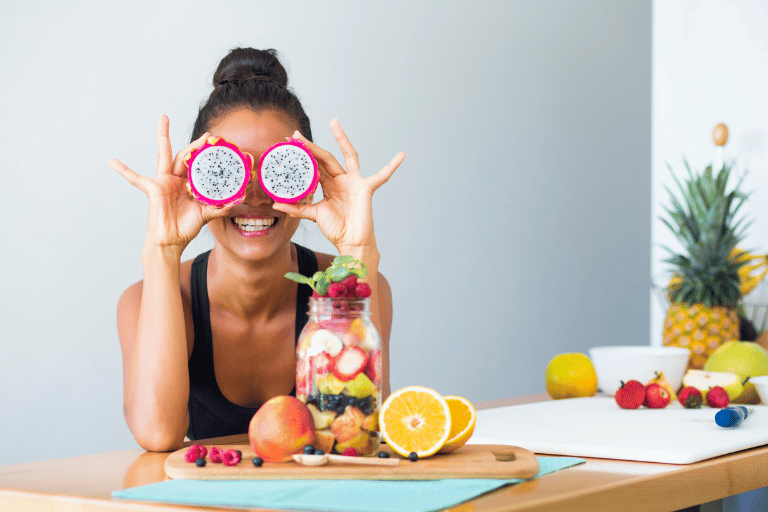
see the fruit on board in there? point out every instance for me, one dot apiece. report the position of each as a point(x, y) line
point(288, 172)
point(717, 397)
point(745, 359)
point(656, 396)
point(703, 314)
point(281, 427)
point(630, 395)
point(690, 397)
point(322, 419)
point(463, 418)
point(570, 375)
point(660, 379)
point(415, 419)
point(703, 380)
point(218, 173)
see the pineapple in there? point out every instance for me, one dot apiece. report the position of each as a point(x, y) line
point(705, 297)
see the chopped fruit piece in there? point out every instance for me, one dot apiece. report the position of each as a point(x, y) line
point(630, 395)
point(371, 423)
point(323, 419)
point(703, 380)
point(324, 440)
point(348, 425)
point(349, 362)
point(321, 363)
point(415, 419)
point(328, 384)
point(362, 443)
point(324, 341)
point(360, 387)
point(462, 423)
point(373, 371)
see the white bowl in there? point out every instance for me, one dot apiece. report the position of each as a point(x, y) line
point(624, 363)
point(761, 384)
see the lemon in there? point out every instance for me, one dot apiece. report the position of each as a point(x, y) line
point(570, 376)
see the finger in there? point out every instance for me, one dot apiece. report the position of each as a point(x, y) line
point(351, 158)
point(297, 210)
point(134, 178)
point(383, 175)
point(332, 166)
point(164, 154)
point(180, 162)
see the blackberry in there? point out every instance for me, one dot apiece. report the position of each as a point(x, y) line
point(200, 462)
point(258, 461)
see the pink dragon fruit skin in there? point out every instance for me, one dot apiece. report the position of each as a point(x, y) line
point(288, 172)
point(219, 172)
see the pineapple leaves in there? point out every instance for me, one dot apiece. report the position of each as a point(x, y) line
point(704, 220)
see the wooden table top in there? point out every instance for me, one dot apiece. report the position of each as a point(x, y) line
point(85, 483)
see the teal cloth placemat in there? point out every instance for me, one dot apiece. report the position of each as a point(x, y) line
point(341, 495)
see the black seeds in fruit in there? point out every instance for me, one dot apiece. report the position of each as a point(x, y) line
point(258, 461)
point(200, 462)
point(413, 457)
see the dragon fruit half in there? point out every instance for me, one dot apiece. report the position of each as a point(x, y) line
point(288, 172)
point(219, 173)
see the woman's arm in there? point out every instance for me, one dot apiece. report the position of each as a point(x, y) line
point(154, 324)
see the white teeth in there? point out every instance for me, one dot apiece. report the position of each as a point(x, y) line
point(253, 224)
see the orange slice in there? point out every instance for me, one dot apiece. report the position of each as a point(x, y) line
point(415, 419)
point(463, 419)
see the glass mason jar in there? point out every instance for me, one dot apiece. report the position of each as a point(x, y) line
point(338, 374)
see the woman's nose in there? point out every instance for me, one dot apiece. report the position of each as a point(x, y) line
point(255, 193)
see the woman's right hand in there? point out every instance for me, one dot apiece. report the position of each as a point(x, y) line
point(175, 217)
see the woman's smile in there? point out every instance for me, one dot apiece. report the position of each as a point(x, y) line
point(253, 225)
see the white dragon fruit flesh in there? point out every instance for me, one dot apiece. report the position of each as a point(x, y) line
point(288, 172)
point(219, 173)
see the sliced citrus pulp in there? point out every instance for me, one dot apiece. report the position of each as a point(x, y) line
point(415, 419)
point(463, 418)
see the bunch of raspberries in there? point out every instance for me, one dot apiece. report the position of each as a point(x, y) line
point(197, 452)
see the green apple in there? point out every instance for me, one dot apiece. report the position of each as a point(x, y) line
point(745, 359)
point(703, 380)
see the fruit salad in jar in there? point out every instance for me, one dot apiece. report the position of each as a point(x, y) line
point(338, 360)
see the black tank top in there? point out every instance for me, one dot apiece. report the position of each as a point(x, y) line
point(210, 413)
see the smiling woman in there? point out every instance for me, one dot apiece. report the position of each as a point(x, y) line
point(205, 342)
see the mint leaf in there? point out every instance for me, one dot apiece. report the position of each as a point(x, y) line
point(293, 276)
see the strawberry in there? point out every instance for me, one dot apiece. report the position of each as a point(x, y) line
point(349, 362)
point(373, 370)
point(656, 396)
point(717, 397)
point(322, 363)
point(630, 395)
point(690, 397)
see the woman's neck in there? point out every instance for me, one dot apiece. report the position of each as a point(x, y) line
point(251, 289)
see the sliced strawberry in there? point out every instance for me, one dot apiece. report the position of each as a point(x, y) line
point(373, 370)
point(303, 385)
point(321, 363)
point(349, 363)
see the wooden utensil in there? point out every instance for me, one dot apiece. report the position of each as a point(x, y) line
point(321, 460)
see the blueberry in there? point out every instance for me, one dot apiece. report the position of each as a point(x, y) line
point(200, 462)
point(309, 449)
point(319, 451)
point(258, 461)
point(383, 455)
point(413, 457)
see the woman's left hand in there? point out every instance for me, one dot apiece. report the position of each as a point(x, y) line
point(345, 214)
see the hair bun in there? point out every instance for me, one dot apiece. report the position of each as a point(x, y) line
point(246, 64)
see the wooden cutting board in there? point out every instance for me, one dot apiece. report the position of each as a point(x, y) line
point(469, 461)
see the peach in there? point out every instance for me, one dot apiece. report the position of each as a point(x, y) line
point(324, 440)
point(281, 427)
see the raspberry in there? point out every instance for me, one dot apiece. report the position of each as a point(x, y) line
point(350, 452)
point(194, 452)
point(337, 290)
point(350, 283)
point(362, 290)
point(230, 457)
point(215, 454)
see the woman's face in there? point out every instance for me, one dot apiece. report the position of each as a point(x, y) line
point(252, 229)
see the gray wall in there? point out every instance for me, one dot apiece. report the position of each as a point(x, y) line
point(517, 228)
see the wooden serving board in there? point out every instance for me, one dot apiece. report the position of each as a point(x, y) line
point(469, 461)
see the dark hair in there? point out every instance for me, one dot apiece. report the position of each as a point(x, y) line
point(253, 79)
